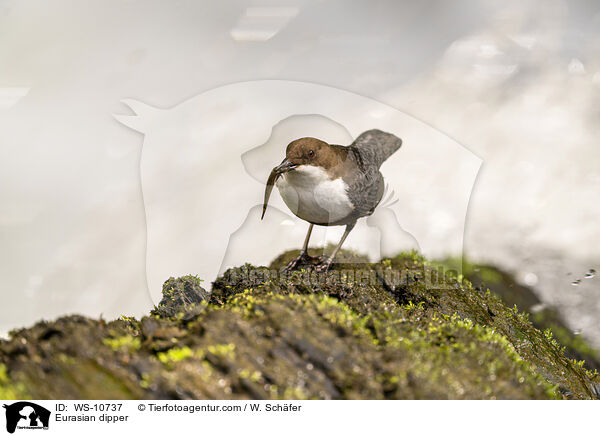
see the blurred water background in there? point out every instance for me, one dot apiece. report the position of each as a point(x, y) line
point(515, 82)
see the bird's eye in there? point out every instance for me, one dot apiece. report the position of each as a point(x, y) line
point(311, 153)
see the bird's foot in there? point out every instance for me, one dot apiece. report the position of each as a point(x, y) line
point(324, 265)
point(302, 260)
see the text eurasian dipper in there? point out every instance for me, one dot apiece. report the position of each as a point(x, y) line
point(331, 185)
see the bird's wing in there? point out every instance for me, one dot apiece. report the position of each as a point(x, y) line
point(365, 192)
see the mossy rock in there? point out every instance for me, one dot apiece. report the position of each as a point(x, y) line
point(177, 293)
point(397, 329)
point(543, 316)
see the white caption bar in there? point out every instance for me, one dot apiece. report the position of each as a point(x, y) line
point(296, 417)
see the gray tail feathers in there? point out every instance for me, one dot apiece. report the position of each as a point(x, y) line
point(376, 146)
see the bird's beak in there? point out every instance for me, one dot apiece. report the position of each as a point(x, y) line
point(284, 167)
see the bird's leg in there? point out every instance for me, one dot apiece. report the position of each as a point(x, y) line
point(303, 257)
point(327, 263)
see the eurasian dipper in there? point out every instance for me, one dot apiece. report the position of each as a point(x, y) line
point(331, 185)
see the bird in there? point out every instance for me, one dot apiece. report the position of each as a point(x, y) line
point(331, 185)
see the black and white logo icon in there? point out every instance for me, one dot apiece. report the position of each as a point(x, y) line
point(26, 415)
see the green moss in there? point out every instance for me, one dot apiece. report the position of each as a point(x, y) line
point(10, 390)
point(174, 355)
point(254, 376)
point(222, 350)
point(575, 344)
point(125, 343)
point(395, 329)
point(524, 299)
point(179, 295)
point(128, 319)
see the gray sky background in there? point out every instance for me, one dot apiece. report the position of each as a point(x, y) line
point(515, 82)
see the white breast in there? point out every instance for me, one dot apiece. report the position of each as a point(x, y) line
point(313, 196)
